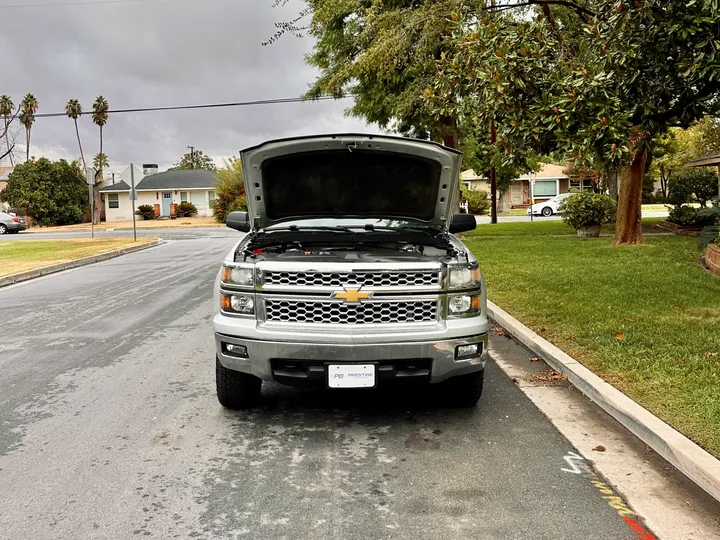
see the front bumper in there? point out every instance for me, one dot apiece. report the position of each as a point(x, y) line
point(299, 362)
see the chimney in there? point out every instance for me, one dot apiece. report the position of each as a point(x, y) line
point(150, 168)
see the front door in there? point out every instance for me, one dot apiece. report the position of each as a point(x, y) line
point(166, 200)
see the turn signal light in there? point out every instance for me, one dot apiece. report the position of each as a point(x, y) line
point(225, 302)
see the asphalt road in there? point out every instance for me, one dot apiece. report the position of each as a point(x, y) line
point(110, 429)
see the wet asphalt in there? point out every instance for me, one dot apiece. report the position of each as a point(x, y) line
point(110, 429)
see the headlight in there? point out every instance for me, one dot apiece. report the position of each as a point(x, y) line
point(238, 303)
point(462, 277)
point(238, 275)
point(463, 304)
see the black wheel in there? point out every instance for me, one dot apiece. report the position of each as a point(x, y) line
point(547, 211)
point(3, 228)
point(465, 390)
point(236, 390)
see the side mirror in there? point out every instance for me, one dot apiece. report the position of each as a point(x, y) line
point(462, 223)
point(238, 221)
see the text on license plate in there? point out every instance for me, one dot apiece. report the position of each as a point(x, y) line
point(351, 376)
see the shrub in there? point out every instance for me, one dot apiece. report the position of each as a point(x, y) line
point(586, 209)
point(709, 235)
point(692, 185)
point(688, 216)
point(146, 211)
point(186, 209)
point(477, 200)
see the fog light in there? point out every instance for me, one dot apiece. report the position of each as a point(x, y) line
point(236, 350)
point(468, 351)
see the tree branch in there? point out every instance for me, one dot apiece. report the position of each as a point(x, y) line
point(580, 10)
point(7, 152)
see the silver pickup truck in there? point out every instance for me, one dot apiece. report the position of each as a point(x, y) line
point(350, 275)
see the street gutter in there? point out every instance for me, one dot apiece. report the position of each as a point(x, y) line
point(59, 267)
point(686, 456)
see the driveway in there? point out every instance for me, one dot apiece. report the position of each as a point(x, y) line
point(110, 429)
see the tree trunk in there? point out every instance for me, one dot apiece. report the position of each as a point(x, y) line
point(611, 178)
point(27, 144)
point(98, 183)
point(628, 229)
point(450, 139)
point(82, 155)
point(7, 141)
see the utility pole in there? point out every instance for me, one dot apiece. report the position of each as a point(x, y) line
point(192, 156)
point(493, 177)
point(493, 174)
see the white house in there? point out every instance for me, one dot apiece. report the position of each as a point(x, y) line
point(160, 191)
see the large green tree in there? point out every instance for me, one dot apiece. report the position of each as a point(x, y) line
point(602, 95)
point(229, 190)
point(53, 193)
point(195, 159)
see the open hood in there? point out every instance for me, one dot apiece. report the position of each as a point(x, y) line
point(351, 176)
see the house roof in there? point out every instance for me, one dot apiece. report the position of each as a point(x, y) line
point(703, 161)
point(470, 174)
point(547, 171)
point(117, 186)
point(180, 179)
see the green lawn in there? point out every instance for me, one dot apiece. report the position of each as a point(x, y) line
point(645, 318)
point(21, 255)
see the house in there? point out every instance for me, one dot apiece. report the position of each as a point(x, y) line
point(549, 181)
point(4, 177)
point(161, 190)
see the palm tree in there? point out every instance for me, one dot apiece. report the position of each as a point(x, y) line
point(29, 107)
point(100, 118)
point(73, 109)
point(100, 161)
point(6, 111)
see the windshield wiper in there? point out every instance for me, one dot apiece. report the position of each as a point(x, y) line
point(370, 227)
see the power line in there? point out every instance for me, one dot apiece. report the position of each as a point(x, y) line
point(206, 106)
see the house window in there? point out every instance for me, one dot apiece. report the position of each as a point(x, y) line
point(545, 188)
point(183, 196)
point(211, 198)
point(113, 200)
point(582, 185)
point(167, 195)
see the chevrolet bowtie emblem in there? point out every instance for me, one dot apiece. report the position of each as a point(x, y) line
point(352, 296)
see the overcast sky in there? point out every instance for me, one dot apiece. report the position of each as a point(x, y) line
point(150, 53)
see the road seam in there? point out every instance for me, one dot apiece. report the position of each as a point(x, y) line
point(59, 267)
point(686, 456)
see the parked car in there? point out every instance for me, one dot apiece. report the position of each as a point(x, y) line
point(549, 207)
point(10, 223)
point(352, 276)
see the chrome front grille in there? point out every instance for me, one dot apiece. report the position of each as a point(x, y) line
point(365, 279)
point(310, 312)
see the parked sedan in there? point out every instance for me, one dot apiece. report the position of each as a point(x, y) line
point(549, 207)
point(11, 224)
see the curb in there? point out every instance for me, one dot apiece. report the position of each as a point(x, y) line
point(53, 268)
point(686, 456)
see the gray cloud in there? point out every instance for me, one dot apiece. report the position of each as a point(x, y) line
point(159, 53)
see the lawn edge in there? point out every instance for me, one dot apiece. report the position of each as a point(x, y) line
point(59, 267)
point(698, 465)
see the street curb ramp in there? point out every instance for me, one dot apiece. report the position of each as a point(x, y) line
point(686, 456)
point(53, 268)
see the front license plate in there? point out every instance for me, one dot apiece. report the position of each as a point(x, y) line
point(351, 376)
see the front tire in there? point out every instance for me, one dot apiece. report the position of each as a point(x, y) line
point(236, 390)
point(547, 211)
point(465, 390)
